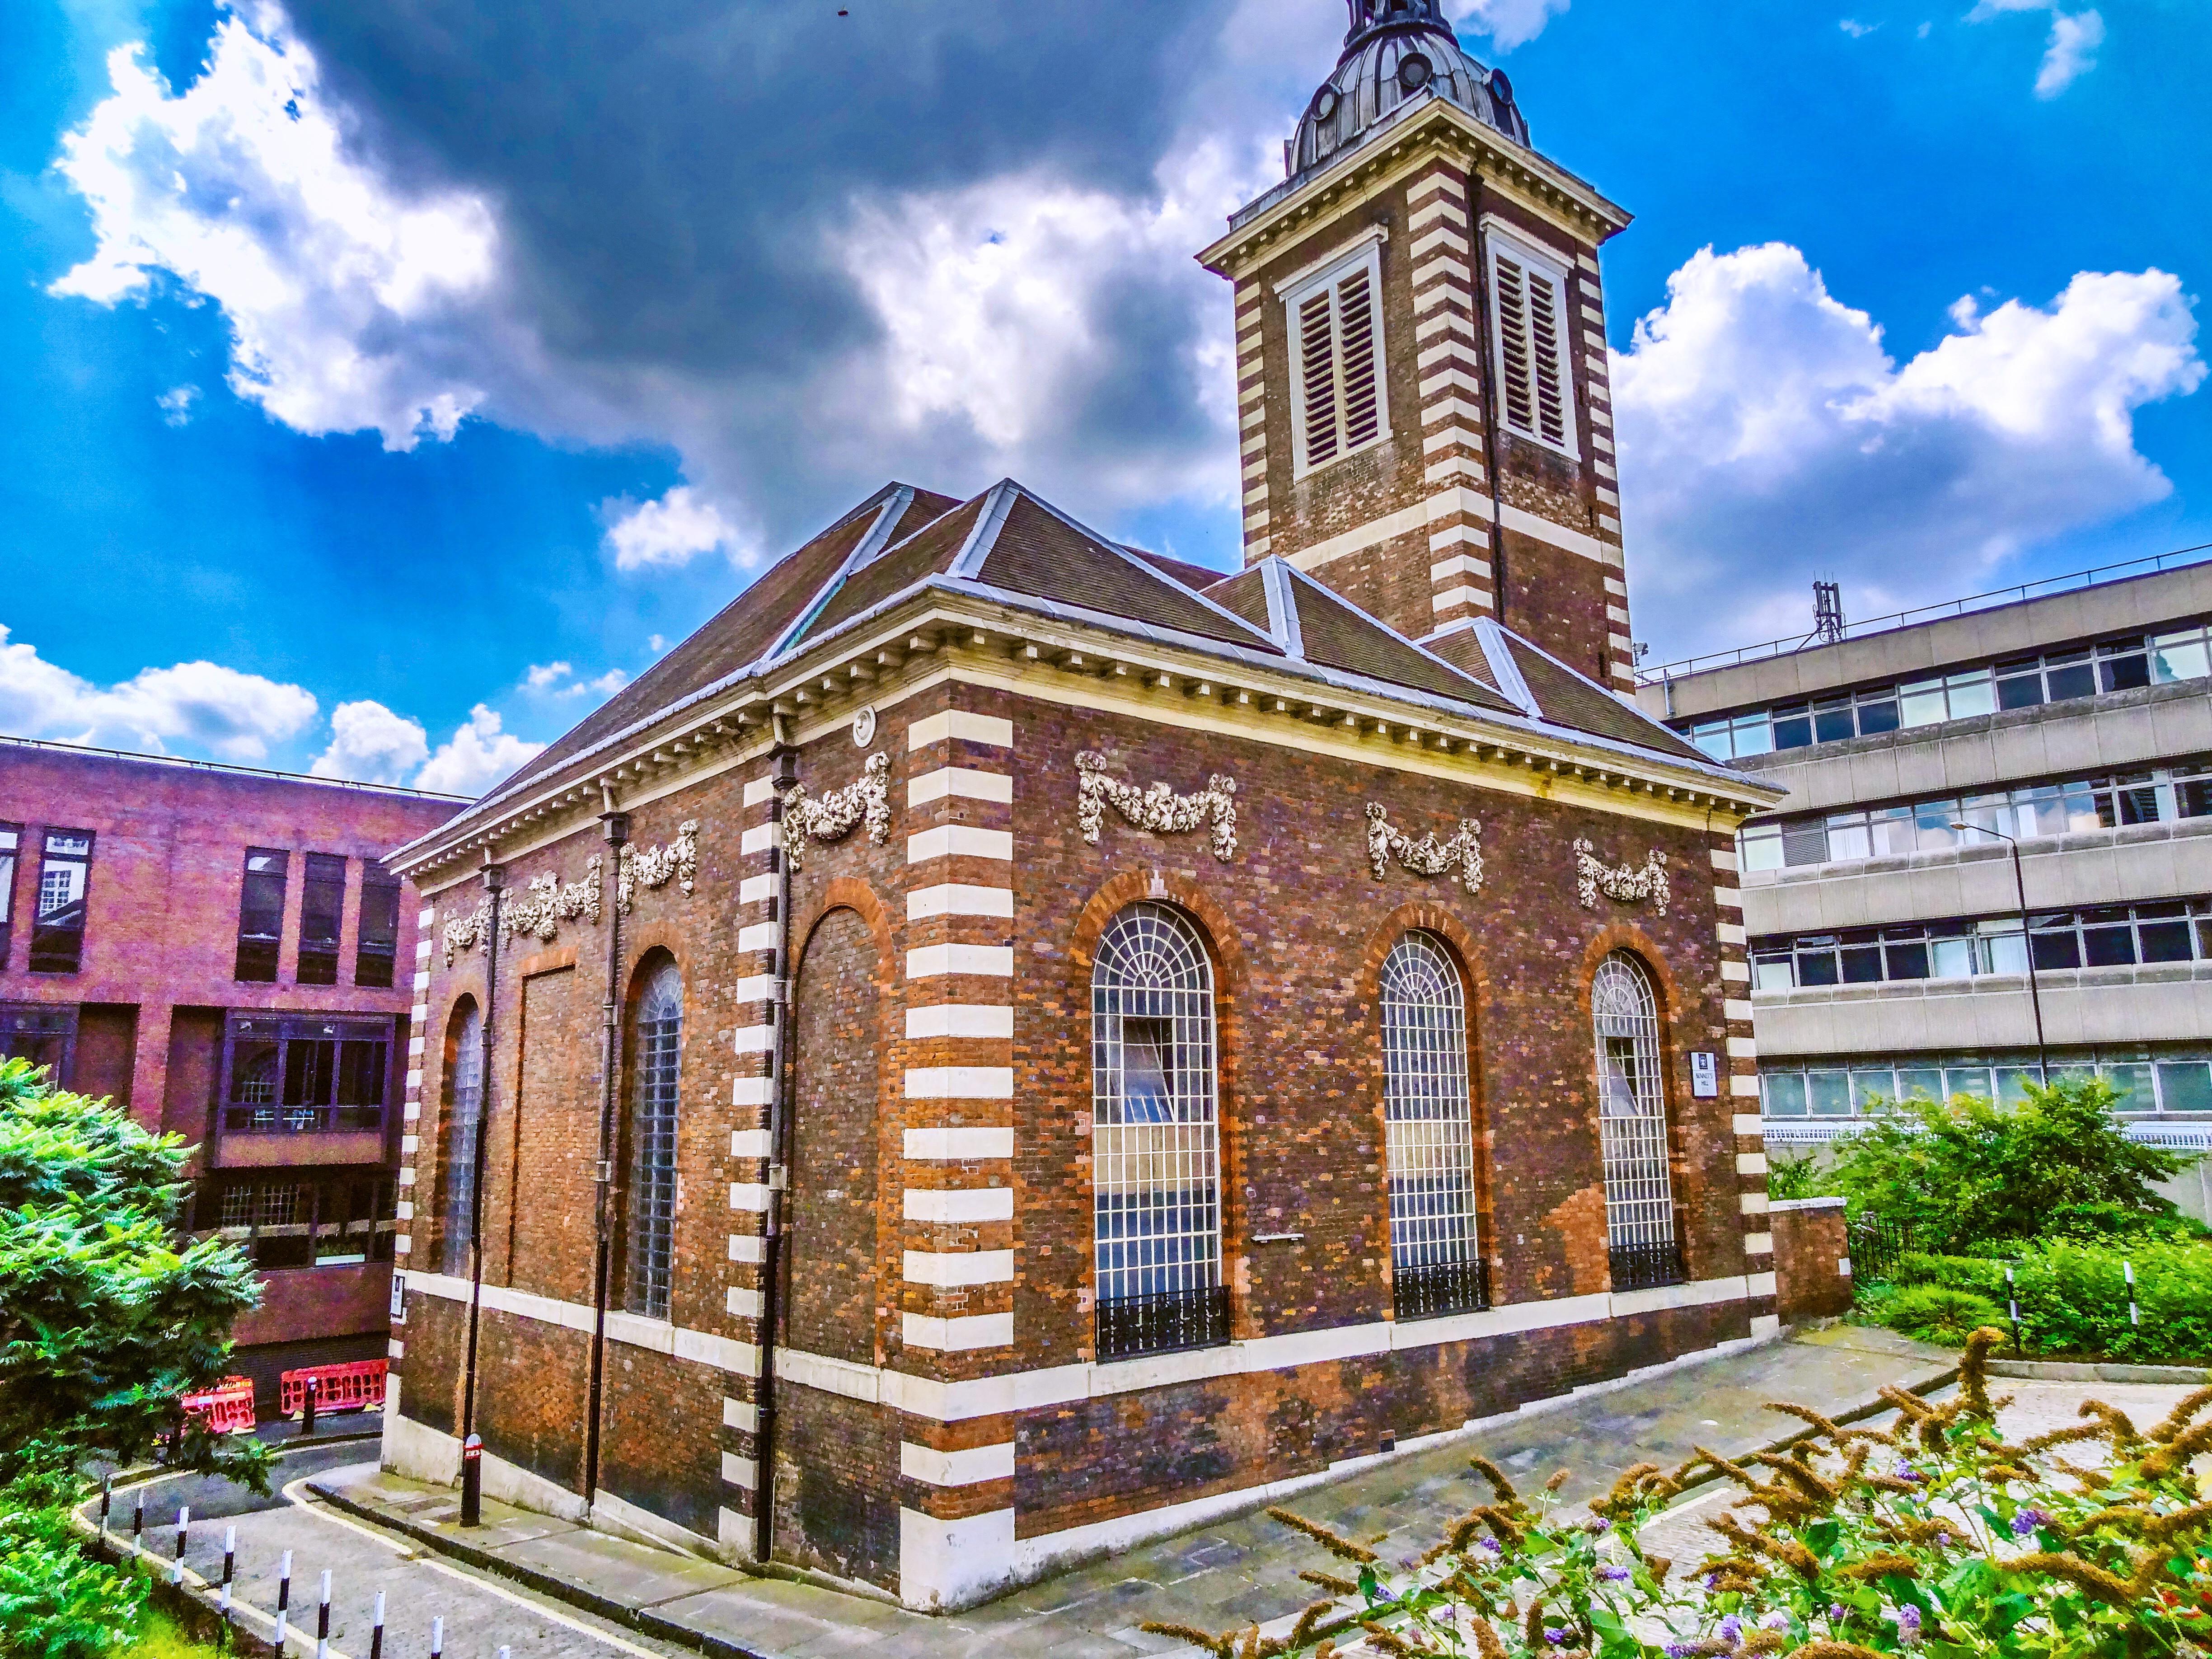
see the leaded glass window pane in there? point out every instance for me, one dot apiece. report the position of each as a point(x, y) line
point(1431, 1125)
point(1639, 1196)
point(464, 1122)
point(652, 1209)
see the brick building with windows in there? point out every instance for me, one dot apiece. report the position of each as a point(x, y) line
point(1002, 1044)
point(221, 952)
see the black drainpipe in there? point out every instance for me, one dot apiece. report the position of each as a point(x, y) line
point(495, 880)
point(785, 760)
point(615, 826)
point(1482, 302)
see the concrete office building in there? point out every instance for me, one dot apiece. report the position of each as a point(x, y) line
point(1889, 951)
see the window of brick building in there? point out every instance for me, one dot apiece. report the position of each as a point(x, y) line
point(1639, 1189)
point(322, 917)
point(304, 1075)
point(261, 914)
point(1336, 351)
point(1436, 1266)
point(11, 841)
point(1535, 390)
point(1156, 1135)
point(42, 1034)
point(650, 1212)
point(331, 1221)
point(378, 946)
point(64, 876)
point(463, 1112)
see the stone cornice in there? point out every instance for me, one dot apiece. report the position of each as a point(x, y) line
point(1436, 130)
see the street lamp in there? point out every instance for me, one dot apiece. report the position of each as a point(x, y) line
point(2027, 943)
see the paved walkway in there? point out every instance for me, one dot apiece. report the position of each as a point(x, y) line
point(1234, 1572)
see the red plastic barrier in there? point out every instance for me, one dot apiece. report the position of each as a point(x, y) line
point(357, 1386)
point(227, 1408)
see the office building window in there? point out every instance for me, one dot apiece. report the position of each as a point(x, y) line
point(378, 947)
point(342, 1221)
point(42, 1034)
point(2145, 1081)
point(64, 876)
point(261, 914)
point(2105, 936)
point(322, 917)
point(304, 1075)
point(11, 841)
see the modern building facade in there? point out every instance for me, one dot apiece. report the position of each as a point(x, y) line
point(222, 952)
point(1890, 946)
point(1001, 1044)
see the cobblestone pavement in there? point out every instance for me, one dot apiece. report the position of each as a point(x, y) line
point(481, 1614)
point(1233, 1572)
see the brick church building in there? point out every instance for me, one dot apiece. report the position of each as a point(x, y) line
point(1002, 1044)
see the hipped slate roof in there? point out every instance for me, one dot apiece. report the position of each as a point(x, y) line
point(1012, 547)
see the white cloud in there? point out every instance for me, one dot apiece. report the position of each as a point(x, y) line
point(2070, 51)
point(176, 405)
point(1856, 30)
point(543, 675)
point(351, 303)
point(669, 533)
point(558, 679)
point(1767, 437)
point(476, 756)
point(201, 704)
point(369, 743)
point(1508, 23)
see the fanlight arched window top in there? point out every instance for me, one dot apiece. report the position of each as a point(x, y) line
point(1435, 1266)
point(1156, 1152)
point(463, 1110)
point(1639, 1194)
point(650, 1213)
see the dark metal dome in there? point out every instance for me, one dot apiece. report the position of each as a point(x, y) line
point(1395, 52)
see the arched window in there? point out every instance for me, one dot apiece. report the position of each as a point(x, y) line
point(464, 1114)
point(1435, 1265)
point(651, 1211)
point(1639, 1193)
point(1155, 1138)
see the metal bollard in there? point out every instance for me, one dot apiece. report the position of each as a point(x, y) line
point(229, 1566)
point(323, 1620)
point(138, 1520)
point(308, 1411)
point(184, 1522)
point(2011, 1305)
point(2135, 1317)
point(473, 1481)
point(283, 1599)
point(107, 1499)
point(438, 1638)
point(376, 1630)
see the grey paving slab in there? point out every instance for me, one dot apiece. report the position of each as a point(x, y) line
point(1232, 1571)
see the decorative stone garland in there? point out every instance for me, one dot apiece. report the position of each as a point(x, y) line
point(1159, 808)
point(835, 815)
point(653, 868)
point(468, 932)
point(550, 904)
point(1624, 884)
point(1427, 856)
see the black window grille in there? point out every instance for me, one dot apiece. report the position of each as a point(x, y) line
point(292, 1075)
point(1441, 1288)
point(378, 949)
point(65, 881)
point(261, 914)
point(1165, 1321)
point(44, 1035)
point(322, 917)
point(1648, 1266)
point(11, 842)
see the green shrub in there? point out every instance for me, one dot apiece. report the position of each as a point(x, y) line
point(56, 1602)
point(1793, 1177)
point(1973, 1273)
point(1936, 1313)
point(2074, 1299)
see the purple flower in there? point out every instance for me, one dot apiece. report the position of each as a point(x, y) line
point(1492, 1545)
point(1680, 1650)
point(1558, 1639)
point(1731, 1629)
point(1776, 1621)
point(1906, 1471)
point(1835, 1612)
point(2028, 1521)
point(1448, 1616)
point(1410, 1563)
point(1908, 1625)
point(1615, 1575)
point(1601, 1525)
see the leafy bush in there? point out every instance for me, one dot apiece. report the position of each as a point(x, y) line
point(1976, 1274)
point(1938, 1537)
point(1957, 1172)
point(2074, 1299)
point(1933, 1313)
point(56, 1602)
point(1793, 1177)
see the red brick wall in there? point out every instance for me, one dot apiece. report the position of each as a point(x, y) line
point(833, 1297)
point(1810, 1250)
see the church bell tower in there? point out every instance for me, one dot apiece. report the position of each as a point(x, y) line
point(1425, 417)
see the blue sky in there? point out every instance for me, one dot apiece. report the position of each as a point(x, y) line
point(386, 383)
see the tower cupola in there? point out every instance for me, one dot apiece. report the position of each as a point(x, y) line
point(1396, 51)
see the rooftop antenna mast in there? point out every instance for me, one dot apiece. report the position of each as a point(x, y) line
point(1827, 614)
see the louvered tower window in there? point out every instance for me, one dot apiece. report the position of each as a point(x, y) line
point(1435, 1266)
point(652, 1208)
point(1639, 1191)
point(1535, 392)
point(1155, 1138)
point(1336, 327)
point(463, 1123)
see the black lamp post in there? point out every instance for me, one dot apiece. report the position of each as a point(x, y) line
point(2028, 945)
